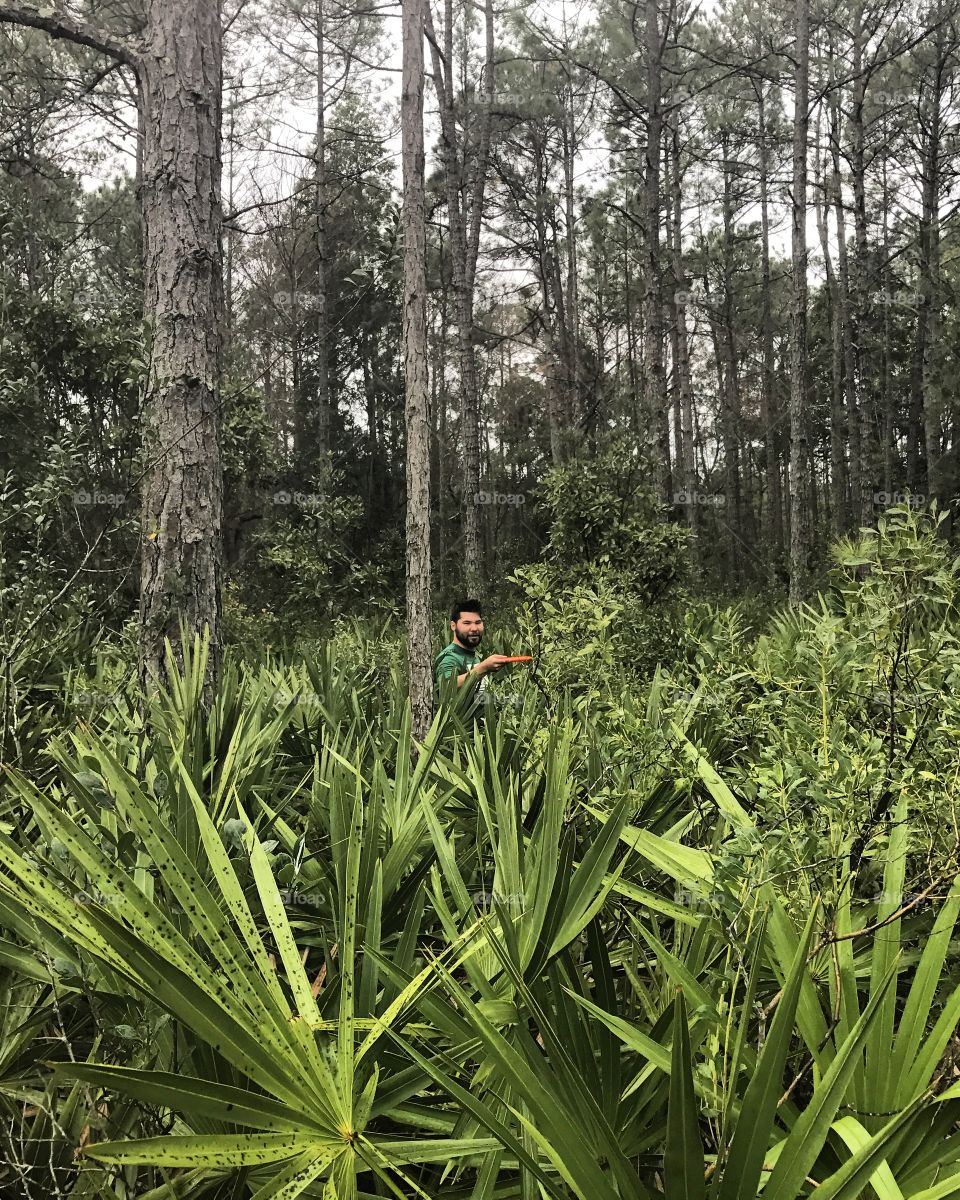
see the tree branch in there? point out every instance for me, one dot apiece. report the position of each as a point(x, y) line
point(60, 24)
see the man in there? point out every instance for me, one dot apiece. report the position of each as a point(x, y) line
point(459, 658)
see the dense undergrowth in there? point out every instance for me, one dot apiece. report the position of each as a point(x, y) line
point(676, 914)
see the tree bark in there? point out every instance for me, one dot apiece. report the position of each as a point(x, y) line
point(415, 372)
point(729, 349)
point(178, 63)
point(929, 279)
point(465, 220)
point(685, 449)
point(654, 378)
point(182, 500)
point(774, 506)
point(847, 337)
point(862, 438)
point(318, 455)
point(838, 461)
point(800, 539)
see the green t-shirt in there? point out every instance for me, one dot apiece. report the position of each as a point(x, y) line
point(453, 660)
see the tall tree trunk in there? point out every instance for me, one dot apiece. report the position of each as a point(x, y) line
point(863, 464)
point(654, 378)
point(929, 280)
point(725, 426)
point(729, 350)
point(800, 534)
point(319, 455)
point(685, 447)
point(178, 61)
point(464, 213)
point(415, 371)
point(887, 399)
point(182, 499)
point(838, 462)
point(847, 338)
point(630, 341)
point(572, 306)
point(768, 416)
point(370, 396)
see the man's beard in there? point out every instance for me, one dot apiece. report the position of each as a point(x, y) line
point(471, 640)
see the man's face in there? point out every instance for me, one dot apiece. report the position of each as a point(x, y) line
point(468, 629)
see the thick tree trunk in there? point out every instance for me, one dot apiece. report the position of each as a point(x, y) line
point(180, 87)
point(178, 64)
point(800, 539)
point(415, 371)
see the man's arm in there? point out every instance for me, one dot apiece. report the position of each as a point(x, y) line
point(493, 662)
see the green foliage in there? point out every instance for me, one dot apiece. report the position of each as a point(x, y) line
point(604, 599)
point(603, 518)
point(278, 953)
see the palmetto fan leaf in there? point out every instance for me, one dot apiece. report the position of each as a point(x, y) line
point(297, 1100)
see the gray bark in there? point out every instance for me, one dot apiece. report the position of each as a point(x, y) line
point(177, 59)
point(774, 498)
point(800, 483)
point(654, 377)
point(415, 372)
point(465, 220)
point(320, 454)
point(182, 497)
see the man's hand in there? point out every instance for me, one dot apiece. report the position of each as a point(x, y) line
point(493, 662)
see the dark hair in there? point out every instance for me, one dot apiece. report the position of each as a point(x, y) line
point(463, 606)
